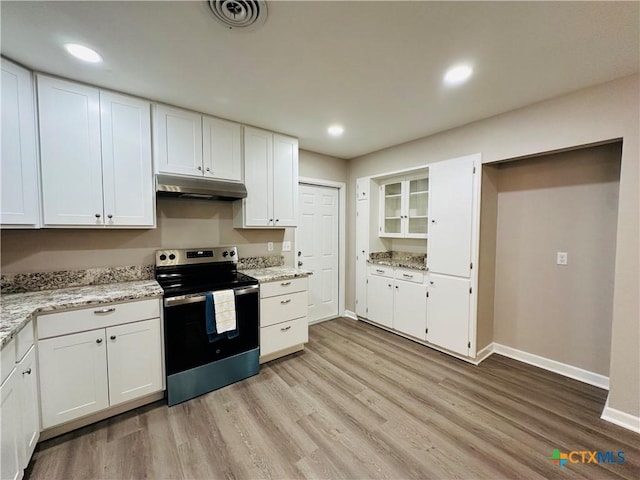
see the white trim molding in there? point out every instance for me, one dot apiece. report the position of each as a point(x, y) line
point(560, 368)
point(620, 418)
point(483, 354)
point(350, 314)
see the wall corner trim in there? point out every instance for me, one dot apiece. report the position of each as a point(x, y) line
point(484, 353)
point(350, 314)
point(620, 418)
point(560, 368)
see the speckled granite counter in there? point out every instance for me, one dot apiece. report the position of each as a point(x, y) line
point(272, 274)
point(398, 259)
point(18, 308)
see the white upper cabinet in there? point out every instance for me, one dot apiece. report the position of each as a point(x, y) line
point(451, 216)
point(178, 141)
point(404, 207)
point(95, 157)
point(271, 178)
point(126, 160)
point(19, 161)
point(221, 149)
point(188, 143)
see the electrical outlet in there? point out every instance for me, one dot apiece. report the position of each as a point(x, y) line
point(270, 246)
point(562, 258)
point(286, 246)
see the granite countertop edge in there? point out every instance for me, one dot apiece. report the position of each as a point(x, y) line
point(273, 274)
point(18, 309)
point(399, 264)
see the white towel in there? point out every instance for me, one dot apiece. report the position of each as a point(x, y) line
point(225, 307)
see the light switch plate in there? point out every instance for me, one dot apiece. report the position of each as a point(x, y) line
point(270, 246)
point(562, 258)
point(286, 246)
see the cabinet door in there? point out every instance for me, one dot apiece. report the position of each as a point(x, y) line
point(73, 376)
point(134, 360)
point(380, 300)
point(178, 141)
point(416, 207)
point(448, 313)
point(221, 149)
point(285, 181)
point(70, 154)
point(450, 228)
point(410, 308)
point(391, 210)
point(18, 163)
point(10, 428)
point(258, 178)
point(30, 410)
point(126, 160)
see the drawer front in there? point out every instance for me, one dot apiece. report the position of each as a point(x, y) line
point(283, 335)
point(24, 341)
point(7, 359)
point(283, 307)
point(381, 271)
point(99, 316)
point(271, 289)
point(416, 276)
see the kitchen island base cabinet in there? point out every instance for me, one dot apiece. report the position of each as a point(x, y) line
point(82, 373)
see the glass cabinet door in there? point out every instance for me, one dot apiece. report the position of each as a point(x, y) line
point(417, 207)
point(392, 205)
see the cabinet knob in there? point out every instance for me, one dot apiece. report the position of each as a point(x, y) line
point(299, 263)
point(277, 220)
point(199, 168)
point(112, 337)
point(433, 221)
point(396, 287)
point(270, 220)
point(109, 216)
point(98, 215)
point(99, 340)
point(431, 283)
point(208, 169)
point(27, 371)
point(389, 285)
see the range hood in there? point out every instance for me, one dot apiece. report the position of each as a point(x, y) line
point(201, 188)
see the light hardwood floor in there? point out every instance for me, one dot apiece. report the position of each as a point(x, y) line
point(359, 402)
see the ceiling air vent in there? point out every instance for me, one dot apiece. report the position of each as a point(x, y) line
point(239, 14)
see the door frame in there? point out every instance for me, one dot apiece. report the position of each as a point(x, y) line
point(342, 212)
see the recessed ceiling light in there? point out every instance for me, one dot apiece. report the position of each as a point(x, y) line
point(83, 53)
point(335, 130)
point(458, 74)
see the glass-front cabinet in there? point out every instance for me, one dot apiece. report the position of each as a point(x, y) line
point(404, 207)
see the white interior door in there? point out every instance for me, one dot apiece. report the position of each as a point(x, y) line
point(318, 234)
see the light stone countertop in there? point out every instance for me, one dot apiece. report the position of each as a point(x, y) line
point(272, 274)
point(17, 309)
point(398, 263)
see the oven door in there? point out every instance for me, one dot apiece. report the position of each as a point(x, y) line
point(186, 341)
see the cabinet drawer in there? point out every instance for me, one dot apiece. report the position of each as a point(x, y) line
point(7, 359)
point(416, 276)
point(99, 316)
point(381, 271)
point(24, 341)
point(283, 307)
point(281, 287)
point(283, 335)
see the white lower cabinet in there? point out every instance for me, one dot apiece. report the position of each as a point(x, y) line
point(30, 409)
point(380, 300)
point(410, 308)
point(448, 312)
point(284, 328)
point(85, 372)
point(10, 426)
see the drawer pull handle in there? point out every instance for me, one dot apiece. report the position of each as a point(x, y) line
point(379, 271)
point(104, 310)
point(284, 329)
point(27, 371)
point(285, 284)
point(285, 301)
point(406, 275)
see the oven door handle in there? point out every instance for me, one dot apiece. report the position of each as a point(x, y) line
point(185, 299)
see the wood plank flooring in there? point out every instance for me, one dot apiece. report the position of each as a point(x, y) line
point(359, 402)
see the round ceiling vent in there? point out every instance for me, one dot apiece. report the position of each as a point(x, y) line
point(239, 14)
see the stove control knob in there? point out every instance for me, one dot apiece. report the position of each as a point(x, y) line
point(163, 257)
point(232, 253)
point(225, 254)
point(172, 256)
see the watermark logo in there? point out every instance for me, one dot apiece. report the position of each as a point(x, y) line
point(583, 456)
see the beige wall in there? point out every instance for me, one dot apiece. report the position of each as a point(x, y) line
point(567, 202)
point(592, 115)
point(180, 224)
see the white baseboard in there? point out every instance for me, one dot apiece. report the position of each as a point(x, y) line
point(350, 314)
point(553, 366)
point(620, 418)
point(484, 353)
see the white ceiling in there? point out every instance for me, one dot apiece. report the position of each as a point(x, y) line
point(374, 67)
